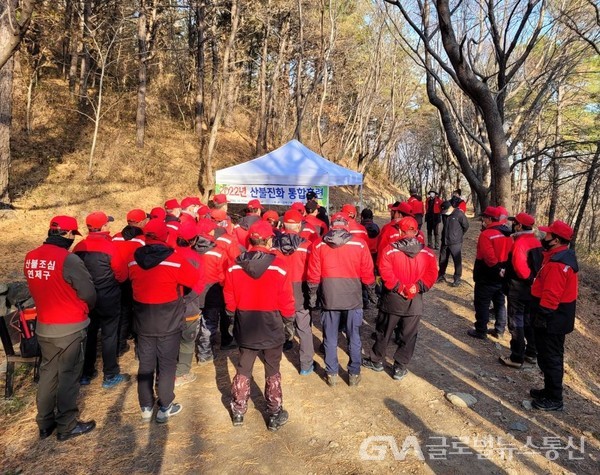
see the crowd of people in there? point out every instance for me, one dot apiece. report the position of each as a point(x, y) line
point(183, 281)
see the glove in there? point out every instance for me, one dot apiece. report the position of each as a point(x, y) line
point(312, 298)
point(371, 293)
point(422, 287)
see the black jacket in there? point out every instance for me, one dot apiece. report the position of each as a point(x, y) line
point(456, 225)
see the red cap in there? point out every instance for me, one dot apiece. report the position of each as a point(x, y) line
point(187, 230)
point(203, 211)
point(260, 229)
point(393, 205)
point(408, 224)
point(156, 229)
point(491, 212)
point(502, 211)
point(560, 229)
point(97, 219)
point(189, 201)
point(298, 206)
point(340, 221)
point(64, 223)
point(158, 213)
point(524, 219)
point(205, 226)
point(270, 215)
point(218, 214)
point(255, 204)
point(404, 208)
point(293, 216)
point(137, 215)
point(219, 199)
point(172, 204)
point(350, 210)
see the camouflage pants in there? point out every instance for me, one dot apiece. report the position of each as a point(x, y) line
point(240, 386)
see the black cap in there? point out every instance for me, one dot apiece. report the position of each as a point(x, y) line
point(445, 205)
point(311, 195)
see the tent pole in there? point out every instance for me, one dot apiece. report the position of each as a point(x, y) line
point(361, 197)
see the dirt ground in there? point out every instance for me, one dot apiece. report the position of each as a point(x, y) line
point(380, 426)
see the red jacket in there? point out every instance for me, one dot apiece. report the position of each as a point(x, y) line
point(240, 230)
point(215, 263)
point(319, 225)
point(259, 291)
point(404, 263)
point(60, 285)
point(309, 232)
point(194, 299)
point(493, 246)
point(295, 250)
point(555, 289)
point(525, 257)
point(416, 204)
point(390, 233)
point(127, 247)
point(462, 206)
point(358, 230)
point(229, 246)
point(340, 263)
point(433, 205)
point(158, 276)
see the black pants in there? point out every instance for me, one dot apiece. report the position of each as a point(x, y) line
point(126, 317)
point(433, 230)
point(551, 351)
point(486, 293)
point(454, 250)
point(408, 330)
point(270, 357)
point(419, 219)
point(108, 324)
point(161, 351)
point(522, 340)
point(58, 387)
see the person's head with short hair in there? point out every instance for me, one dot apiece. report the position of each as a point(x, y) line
point(311, 195)
point(311, 208)
point(137, 218)
point(98, 222)
point(455, 201)
point(392, 208)
point(173, 207)
point(254, 207)
point(292, 221)
point(457, 193)
point(260, 233)
point(366, 214)
point(413, 191)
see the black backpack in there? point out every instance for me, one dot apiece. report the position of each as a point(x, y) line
point(29, 346)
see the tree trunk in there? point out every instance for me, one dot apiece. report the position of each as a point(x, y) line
point(14, 26)
point(299, 66)
point(554, 185)
point(200, 64)
point(261, 136)
point(84, 33)
point(586, 193)
point(140, 117)
point(6, 100)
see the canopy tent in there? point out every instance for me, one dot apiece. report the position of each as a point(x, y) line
point(290, 164)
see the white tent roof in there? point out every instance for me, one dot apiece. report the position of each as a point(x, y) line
point(290, 164)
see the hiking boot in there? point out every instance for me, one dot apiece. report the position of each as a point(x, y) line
point(506, 361)
point(206, 359)
point(332, 379)
point(374, 365)
point(185, 379)
point(86, 380)
point(306, 372)
point(546, 404)
point(531, 359)
point(80, 429)
point(354, 379)
point(278, 420)
point(146, 414)
point(47, 432)
point(399, 373)
point(164, 413)
point(475, 334)
point(288, 345)
point(237, 419)
point(116, 379)
point(537, 393)
point(456, 283)
point(495, 333)
point(441, 279)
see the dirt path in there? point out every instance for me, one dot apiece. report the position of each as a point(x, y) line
point(328, 425)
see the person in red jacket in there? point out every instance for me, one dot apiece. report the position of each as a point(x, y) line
point(493, 247)
point(433, 218)
point(64, 293)
point(253, 213)
point(339, 265)
point(389, 231)
point(524, 262)
point(294, 249)
point(458, 201)
point(160, 278)
point(127, 241)
point(108, 269)
point(188, 236)
point(311, 217)
point(356, 229)
point(554, 299)
point(408, 269)
point(416, 203)
point(258, 292)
